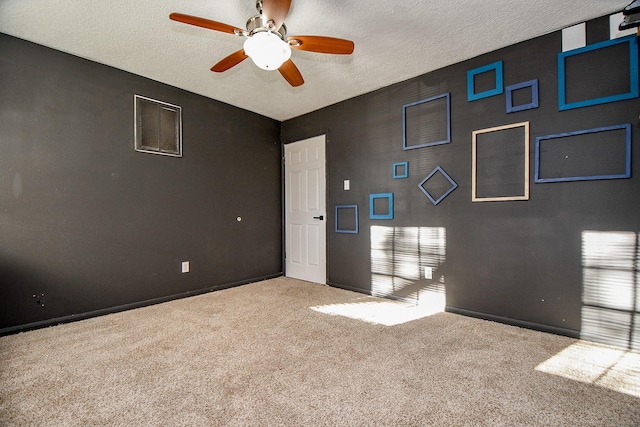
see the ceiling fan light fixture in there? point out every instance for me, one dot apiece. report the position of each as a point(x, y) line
point(266, 41)
point(267, 50)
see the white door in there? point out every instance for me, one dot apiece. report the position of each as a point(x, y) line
point(305, 213)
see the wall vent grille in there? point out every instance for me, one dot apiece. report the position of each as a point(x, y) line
point(158, 127)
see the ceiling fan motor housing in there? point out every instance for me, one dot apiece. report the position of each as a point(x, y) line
point(255, 25)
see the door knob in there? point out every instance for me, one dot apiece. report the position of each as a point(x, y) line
point(321, 217)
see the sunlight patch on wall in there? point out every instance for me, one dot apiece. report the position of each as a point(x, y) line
point(387, 313)
point(406, 264)
point(609, 367)
point(611, 288)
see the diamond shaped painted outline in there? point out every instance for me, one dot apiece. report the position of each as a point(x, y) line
point(446, 193)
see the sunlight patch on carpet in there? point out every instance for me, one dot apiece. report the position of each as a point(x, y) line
point(388, 313)
point(609, 367)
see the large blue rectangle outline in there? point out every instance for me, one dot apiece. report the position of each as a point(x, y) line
point(426, 144)
point(626, 174)
point(634, 89)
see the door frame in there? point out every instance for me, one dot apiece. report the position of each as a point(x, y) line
point(284, 200)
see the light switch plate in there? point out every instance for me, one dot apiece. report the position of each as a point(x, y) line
point(185, 266)
point(346, 185)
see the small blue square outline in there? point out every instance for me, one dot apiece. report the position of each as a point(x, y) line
point(634, 74)
point(533, 84)
point(454, 185)
point(372, 198)
point(357, 228)
point(471, 85)
point(406, 170)
point(626, 174)
point(422, 101)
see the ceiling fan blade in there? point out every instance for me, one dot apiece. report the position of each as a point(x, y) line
point(204, 23)
point(291, 73)
point(230, 61)
point(321, 44)
point(276, 11)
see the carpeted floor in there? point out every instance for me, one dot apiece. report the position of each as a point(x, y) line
point(272, 353)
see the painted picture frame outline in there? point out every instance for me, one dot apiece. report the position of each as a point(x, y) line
point(437, 169)
point(396, 175)
point(471, 85)
point(533, 84)
point(372, 198)
point(347, 231)
point(626, 174)
point(422, 101)
point(634, 86)
point(474, 166)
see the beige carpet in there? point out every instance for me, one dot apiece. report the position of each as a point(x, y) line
point(271, 353)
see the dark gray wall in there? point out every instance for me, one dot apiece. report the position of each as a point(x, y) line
point(94, 225)
point(517, 261)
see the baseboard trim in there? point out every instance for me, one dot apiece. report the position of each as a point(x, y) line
point(514, 322)
point(484, 316)
point(368, 292)
point(349, 288)
point(124, 307)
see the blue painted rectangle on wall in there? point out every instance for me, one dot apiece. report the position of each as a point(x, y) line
point(602, 162)
point(432, 119)
point(351, 226)
point(615, 62)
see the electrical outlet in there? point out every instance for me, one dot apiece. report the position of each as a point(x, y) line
point(428, 273)
point(185, 266)
point(347, 185)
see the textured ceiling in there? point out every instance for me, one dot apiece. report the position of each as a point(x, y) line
point(395, 40)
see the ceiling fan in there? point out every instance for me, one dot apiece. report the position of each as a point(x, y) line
point(266, 41)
